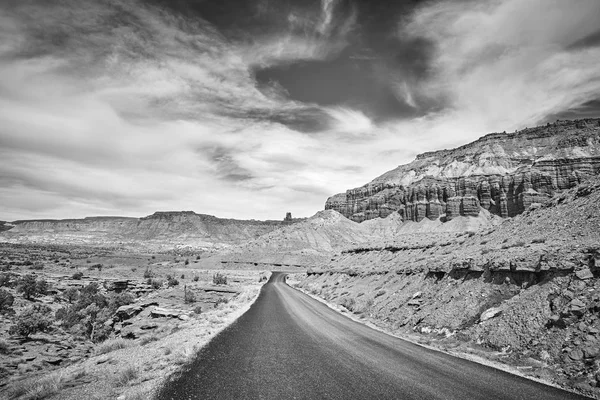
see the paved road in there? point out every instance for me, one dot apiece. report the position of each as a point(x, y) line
point(290, 346)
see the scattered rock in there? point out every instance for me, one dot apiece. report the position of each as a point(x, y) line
point(584, 274)
point(576, 355)
point(490, 313)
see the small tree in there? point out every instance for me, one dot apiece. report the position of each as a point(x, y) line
point(31, 288)
point(33, 319)
point(6, 300)
point(71, 294)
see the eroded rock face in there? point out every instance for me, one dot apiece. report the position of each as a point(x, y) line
point(502, 173)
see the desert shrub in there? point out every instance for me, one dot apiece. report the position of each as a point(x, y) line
point(126, 375)
point(33, 319)
point(349, 303)
point(221, 300)
point(148, 274)
point(30, 287)
point(97, 266)
point(38, 265)
point(189, 296)
point(77, 275)
point(197, 257)
point(156, 283)
point(4, 347)
point(187, 262)
point(7, 279)
point(539, 240)
point(172, 281)
point(219, 279)
point(111, 345)
point(198, 310)
point(182, 276)
point(6, 300)
point(196, 278)
point(87, 316)
point(71, 294)
point(380, 293)
point(149, 338)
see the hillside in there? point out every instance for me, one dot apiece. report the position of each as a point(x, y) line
point(168, 229)
point(305, 243)
point(525, 292)
point(503, 173)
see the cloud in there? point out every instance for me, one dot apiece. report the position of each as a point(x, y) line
point(120, 107)
point(509, 63)
point(348, 121)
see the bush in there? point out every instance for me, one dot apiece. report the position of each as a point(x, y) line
point(6, 300)
point(172, 281)
point(188, 296)
point(6, 279)
point(31, 288)
point(87, 316)
point(349, 303)
point(33, 319)
point(4, 347)
point(219, 279)
point(77, 275)
point(187, 262)
point(198, 310)
point(221, 300)
point(148, 274)
point(156, 283)
point(124, 376)
point(71, 294)
point(196, 278)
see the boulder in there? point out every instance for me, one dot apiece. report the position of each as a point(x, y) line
point(159, 312)
point(128, 311)
point(490, 313)
point(584, 274)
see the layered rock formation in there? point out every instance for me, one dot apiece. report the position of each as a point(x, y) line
point(172, 228)
point(502, 173)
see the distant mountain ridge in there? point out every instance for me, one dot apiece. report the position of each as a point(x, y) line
point(503, 173)
point(183, 227)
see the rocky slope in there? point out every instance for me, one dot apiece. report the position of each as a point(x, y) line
point(503, 173)
point(526, 290)
point(305, 243)
point(185, 228)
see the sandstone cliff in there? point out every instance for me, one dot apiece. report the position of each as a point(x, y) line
point(526, 291)
point(504, 173)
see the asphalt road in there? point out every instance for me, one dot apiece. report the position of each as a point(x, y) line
point(290, 346)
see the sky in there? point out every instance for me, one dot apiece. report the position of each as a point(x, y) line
point(253, 108)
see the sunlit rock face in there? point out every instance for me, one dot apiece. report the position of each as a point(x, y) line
point(504, 173)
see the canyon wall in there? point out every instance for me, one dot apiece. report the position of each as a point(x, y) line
point(504, 173)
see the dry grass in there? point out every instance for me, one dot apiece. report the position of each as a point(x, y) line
point(112, 345)
point(126, 375)
point(41, 388)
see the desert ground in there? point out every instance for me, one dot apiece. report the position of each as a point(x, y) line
point(104, 323)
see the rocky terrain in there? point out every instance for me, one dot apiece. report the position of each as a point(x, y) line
point(503, 173)
point(524, 293)
point(72, 319)
point(161, 230)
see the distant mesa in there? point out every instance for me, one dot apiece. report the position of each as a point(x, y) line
point(503, 173)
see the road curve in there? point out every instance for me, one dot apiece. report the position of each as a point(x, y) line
point(290, 346)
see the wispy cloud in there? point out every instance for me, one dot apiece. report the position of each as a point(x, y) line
point(120, 107)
